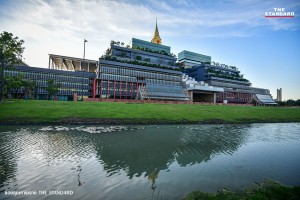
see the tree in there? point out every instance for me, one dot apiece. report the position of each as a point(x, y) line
point(298, 102)
point(290, 102)
point(12, 84)
point(11, 51)
point(52, 88)
point(281, 103)
point(29, 87)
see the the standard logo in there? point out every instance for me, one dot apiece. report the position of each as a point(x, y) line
point(279, 13)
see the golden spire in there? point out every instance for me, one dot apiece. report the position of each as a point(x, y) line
point(156, 38)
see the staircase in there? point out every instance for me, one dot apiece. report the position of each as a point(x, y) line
point(143, 93)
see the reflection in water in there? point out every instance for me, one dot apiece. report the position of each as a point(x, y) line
point(146, 162)
point(152, 177)
point(8, 165)
point(40, 150)
point(156, 148)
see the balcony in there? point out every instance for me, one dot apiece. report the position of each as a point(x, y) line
point(140, 65)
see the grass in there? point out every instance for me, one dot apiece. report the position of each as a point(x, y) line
point(268, 189)
point(30, 111)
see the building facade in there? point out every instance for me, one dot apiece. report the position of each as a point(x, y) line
point(149, 46)
point(141, 70)
point(237, 89)
point(76, 84)
point(279, 95)
point(146, 71)
point(189, 59)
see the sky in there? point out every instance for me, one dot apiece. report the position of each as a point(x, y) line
point(233, 32)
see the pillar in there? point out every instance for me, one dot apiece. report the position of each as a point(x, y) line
point(214, 97)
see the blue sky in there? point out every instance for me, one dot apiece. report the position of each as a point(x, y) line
point(233, 32)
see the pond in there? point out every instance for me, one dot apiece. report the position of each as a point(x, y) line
point(144, 162)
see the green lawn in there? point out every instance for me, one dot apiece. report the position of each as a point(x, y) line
point(55, 111)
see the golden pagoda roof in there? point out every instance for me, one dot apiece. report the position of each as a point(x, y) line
point(156, 38)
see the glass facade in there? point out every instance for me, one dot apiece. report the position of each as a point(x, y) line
point(190, 59)
point(124, 53)
point(71, 82)
point(120, 73)
point(149, 45)
point(236, 88)
point(146, 72)
point(234, 97)
point(129, 71)
point(123, 82)
point(156, 91)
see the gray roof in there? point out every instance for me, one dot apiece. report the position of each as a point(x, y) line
point(265, 99)
point(55, 71)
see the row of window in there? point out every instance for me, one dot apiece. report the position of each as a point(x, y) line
point(165, 91)
point(69, 84)
point(114, 88)
point(44, 76)
point(60, 92)
point(117, 92)
point(64, 84)
point(161, 82)
point(229, 85)
point(163, 94)
point(138, 73)
point(132, 86)
point(143, 57)
point(112, 83)
point(260, 90)
point(133, 79)
point(162, 88)
point(72, 91)
point(118, 86)
point(117, 78)
point(239, 95)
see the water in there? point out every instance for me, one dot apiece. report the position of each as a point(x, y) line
point(145, 162)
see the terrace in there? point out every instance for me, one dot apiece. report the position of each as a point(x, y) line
point(138, 62)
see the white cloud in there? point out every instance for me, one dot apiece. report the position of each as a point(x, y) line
point(60, 26)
